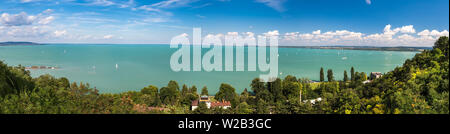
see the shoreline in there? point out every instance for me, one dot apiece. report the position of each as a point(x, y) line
point(368, 48)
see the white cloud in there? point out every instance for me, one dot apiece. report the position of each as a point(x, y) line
point(48, 11)
point(249, 34)
point(400, 36)
point(291, 36)
point(233, 33)
point(434, 33)
point(406, 29)
point(172, 3)
point(316, 32)
point(108, 36)
point(17, 19)
point(60, 33)
point(130, 3)
point(272, 33)
point(275, 4)
point(200, 16)
point(156, 20)
point(149, 8)
point(27, 1)
point(23, 19)
point(46, 20)
point(102, 3)
point(24, 27)
point(368, 2)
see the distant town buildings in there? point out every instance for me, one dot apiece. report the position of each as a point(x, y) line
point(367, 81)
point(375, 75)
point(210, 104)
point(313, 101)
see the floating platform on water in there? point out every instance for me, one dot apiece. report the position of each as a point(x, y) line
point(41, 67)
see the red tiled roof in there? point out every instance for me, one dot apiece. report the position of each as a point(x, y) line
point(194, 103)
point(220, 104)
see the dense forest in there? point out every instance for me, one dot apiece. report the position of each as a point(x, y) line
point(420, 86)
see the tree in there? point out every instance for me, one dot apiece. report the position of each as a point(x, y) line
point(262, 107)
point(276, 89)
point(363, 76)
point(330, 75)
point(243, 108)
point(14, 80)
point(170, 94)
point(244, 96)
point(150, 90)
point(204, 91)
point(227, 93)
point(193, 89)
point(184, 90)
point(291, 89)
point(352, 74)
point(322, 75)
point(260, 90)
point(257, 86)
point(443, 45)
point(202, 109)
point(345, 76)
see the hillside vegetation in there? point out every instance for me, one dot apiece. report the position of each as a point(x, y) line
point(420, 86)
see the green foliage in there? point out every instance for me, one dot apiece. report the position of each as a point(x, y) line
point(352, 74)
point(291, 89)
point(330, 75)
point(420, 86)
point(262, 107)
point(14, 80)
point(227, 93)
point(244, 108)
point(276, 89)
point(204, 91)
point(322, 75)
point(170, 95)
point(345, 76)
point(202, 109)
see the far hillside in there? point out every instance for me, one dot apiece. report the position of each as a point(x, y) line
point(11, 43)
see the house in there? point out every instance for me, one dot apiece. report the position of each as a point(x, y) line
point(209, 104)
point(194, 105)
point(367, 81)
point(204, 98)
point(375, 75)
point(313, 101)
point(223, 104)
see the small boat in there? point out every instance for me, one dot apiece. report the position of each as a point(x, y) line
point(117, 66)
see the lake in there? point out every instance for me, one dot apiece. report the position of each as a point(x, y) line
point(113, 68)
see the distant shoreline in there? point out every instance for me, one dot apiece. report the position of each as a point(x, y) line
point(370, 48)
point(19, 43)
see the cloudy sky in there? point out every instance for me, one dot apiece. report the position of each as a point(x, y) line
point(296, 22)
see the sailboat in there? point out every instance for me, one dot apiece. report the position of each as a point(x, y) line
point(117, 66)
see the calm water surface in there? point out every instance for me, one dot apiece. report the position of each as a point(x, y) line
point(141, 65)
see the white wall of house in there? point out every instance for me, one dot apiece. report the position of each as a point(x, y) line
point(194, 107)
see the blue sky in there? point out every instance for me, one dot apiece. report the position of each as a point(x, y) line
point(296, 22)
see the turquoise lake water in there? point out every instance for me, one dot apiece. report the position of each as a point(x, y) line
point(143, 65)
